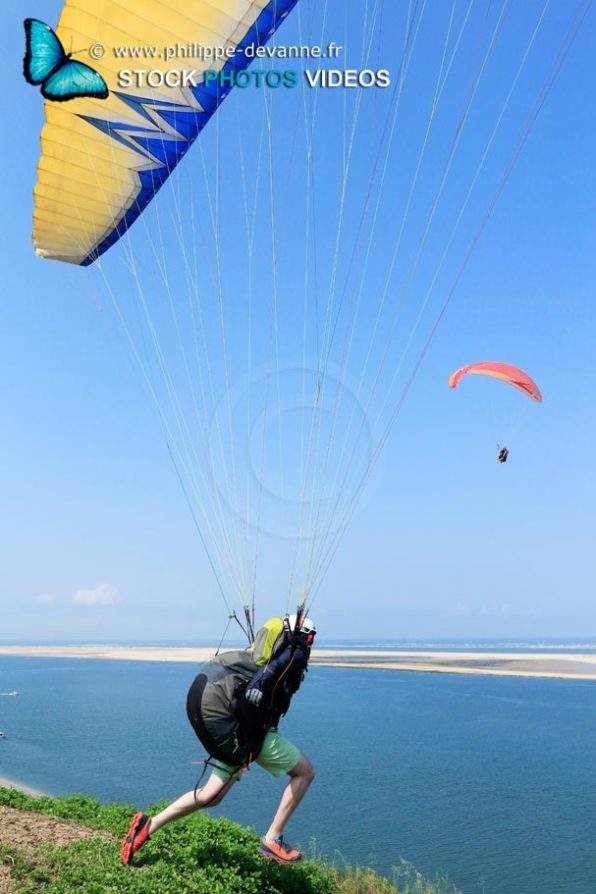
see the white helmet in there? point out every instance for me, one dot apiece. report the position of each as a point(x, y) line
point(306, 626)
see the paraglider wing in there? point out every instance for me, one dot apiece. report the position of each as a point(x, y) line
point(497, 370)
point(103, 160)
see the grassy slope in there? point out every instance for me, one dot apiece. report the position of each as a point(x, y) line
point(199, 855)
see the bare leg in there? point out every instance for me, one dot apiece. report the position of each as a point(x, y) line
point(300, 778)
point(211, 794)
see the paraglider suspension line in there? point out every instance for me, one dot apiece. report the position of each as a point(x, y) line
point(234, 617)
point(250, 633)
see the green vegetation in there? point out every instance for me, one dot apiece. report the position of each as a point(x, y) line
point(198, 855)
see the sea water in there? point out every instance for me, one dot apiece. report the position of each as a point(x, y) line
point(488, 780)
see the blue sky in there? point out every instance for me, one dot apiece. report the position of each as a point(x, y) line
point(97, 540)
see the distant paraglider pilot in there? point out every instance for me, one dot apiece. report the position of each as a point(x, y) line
point(512, 375)
point(234, 706)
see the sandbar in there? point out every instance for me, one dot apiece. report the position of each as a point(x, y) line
point(560, 665)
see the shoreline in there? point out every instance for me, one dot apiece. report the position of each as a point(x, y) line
point(20, 787)
point(560, 665)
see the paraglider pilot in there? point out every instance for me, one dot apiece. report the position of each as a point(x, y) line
point(503, 454)
point(234, 706)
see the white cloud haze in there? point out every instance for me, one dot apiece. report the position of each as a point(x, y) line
point(102, 594)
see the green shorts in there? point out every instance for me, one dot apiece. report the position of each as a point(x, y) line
point(277, 756)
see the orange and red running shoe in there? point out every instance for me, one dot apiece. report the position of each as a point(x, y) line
point(137, 835)
point(279, 851)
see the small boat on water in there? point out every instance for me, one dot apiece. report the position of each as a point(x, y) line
point(2, 735)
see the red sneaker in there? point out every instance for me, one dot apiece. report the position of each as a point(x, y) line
point(137, 835)
point(279, 851)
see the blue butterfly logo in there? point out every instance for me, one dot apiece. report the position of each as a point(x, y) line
point(61, 77)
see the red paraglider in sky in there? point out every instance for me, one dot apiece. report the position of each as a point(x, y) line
point(507, 373)
point(497, 370)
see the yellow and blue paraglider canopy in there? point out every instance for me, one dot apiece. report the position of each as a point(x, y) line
point(103, 159)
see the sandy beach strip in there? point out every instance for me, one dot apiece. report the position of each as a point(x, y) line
point(20, 787)
point(561, 665)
